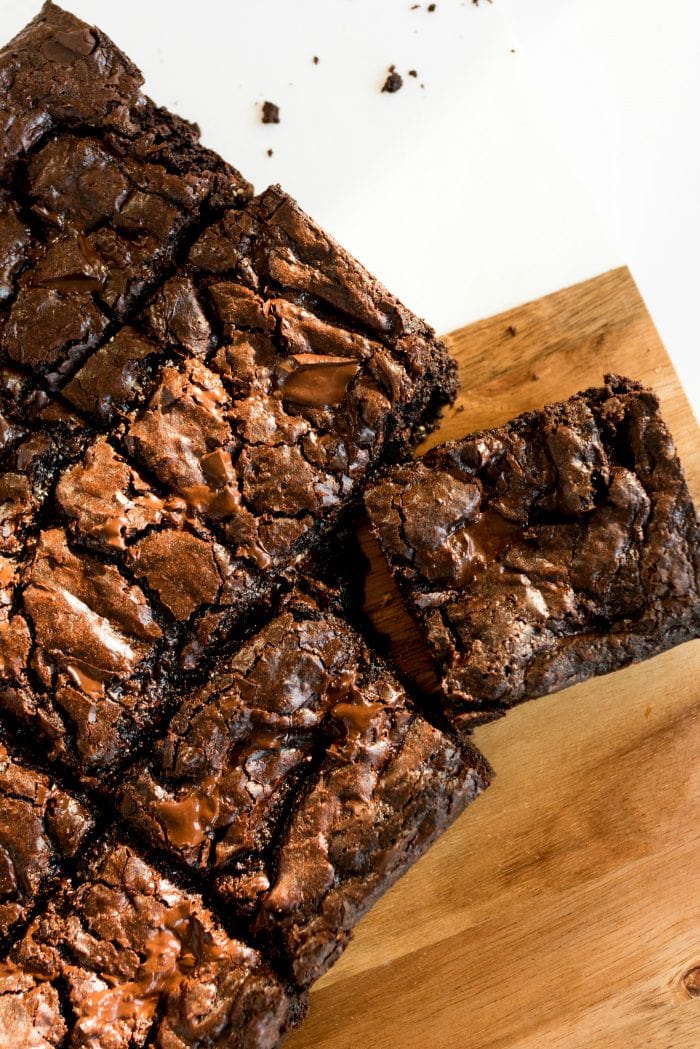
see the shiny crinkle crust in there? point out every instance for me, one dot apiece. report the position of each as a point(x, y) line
point(302, 781)
point(535, 555)
point(127, 959)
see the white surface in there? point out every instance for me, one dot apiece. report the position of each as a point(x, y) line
point(509, 175)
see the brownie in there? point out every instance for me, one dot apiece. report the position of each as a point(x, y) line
point(99, 192)
point(42, 826)
point(196, 458)
point(125, 958)
point(196, 386)
point(541, 553)
point(300, 778)
point(258, 391)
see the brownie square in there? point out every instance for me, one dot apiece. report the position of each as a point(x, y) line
point(42, 826)
point(538, 554)
point(125, 958)
point(99, 193)
point(302, 781)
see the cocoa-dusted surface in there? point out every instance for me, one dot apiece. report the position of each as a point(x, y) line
point(557, 547)
point(99, 192)
point(42, 826)
point(124, 958)
point(303, 782)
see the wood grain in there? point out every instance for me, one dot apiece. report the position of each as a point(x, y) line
point(563, 909)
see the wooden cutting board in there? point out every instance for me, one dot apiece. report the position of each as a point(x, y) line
point(562, 911)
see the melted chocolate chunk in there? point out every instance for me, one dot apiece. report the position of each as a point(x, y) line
point(125, 958)
point(302, 779)
point(538, 554)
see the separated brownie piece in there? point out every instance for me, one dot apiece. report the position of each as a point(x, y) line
point(127, 959)
point(541, 553)
point(41, 826)
point(98, 189)
point(302, 780)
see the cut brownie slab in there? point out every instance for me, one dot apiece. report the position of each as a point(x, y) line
point(98, 191)
point(125, 959)
point(300, 778)
point(543, 552)
point(41, 826)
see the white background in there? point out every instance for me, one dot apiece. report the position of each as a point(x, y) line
point(553, 139)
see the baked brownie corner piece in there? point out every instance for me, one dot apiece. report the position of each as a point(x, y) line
point(100, 191)
point(301, 779)
point(538, 554)
point(42, 826)
point(328, 311)
point(125, 958)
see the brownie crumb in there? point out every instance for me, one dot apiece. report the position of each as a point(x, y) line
point(270, 152)
point(270, 113)
point(393, 82)
point(316, 60)
point(432, 7)
point(413, 72)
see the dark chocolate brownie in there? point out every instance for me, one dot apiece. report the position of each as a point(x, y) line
point(246, 406)
point(213, 436)
point(543, 552)
point(99, 189)
point(41, 826)
point(125, 958)
point(300, 778)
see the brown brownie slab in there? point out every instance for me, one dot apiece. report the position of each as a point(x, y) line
point(543, 552)
point(302, 781)
point(99, 191)
point(41, 826)
point(125, 958)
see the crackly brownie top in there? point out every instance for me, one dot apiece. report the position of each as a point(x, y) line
point(75, 631)
point(40, 826)
point(98, 188)
point(127, 958)
point(261, 386)
point(300, 776)
point(243, 406)
point(520, 545)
